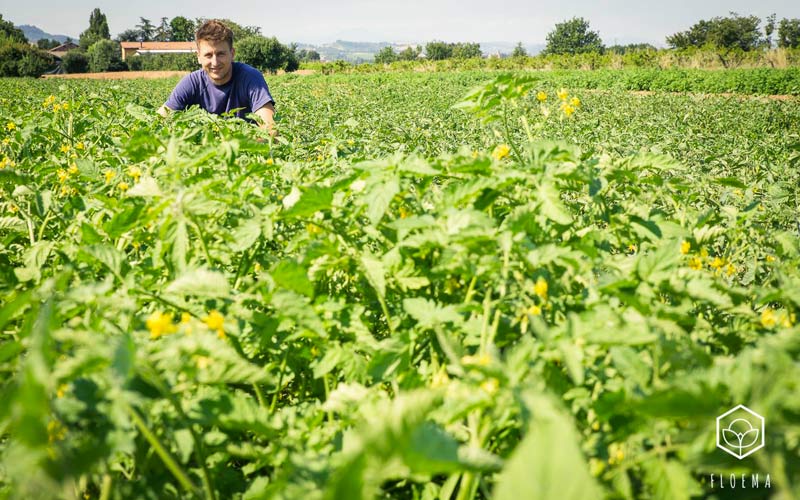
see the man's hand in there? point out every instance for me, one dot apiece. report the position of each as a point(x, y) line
point(164, 111)
point(267, 115)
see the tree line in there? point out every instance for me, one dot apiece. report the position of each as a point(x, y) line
point(728, 35)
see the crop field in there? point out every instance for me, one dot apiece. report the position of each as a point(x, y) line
point(455, 285)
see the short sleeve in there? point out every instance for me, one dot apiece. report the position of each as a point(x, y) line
point(258, 91)
point(183, 95)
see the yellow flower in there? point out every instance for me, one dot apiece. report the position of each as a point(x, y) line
point(135, 172)
point(13, 208)
point(79, 146)
point(313, 228)
point(696, 263)
point(717, 263)
point(567, 109)
point(65, 148)
point(160, 324)
point(62, 176)
point(257, 267)
point(185, 318)
point(703, 253)
point(770, 258)
point(65, 190)
point(787, 320)
point(65, 106)
point(685, 247)
point(541, 96)
point(534, 310)
point(6, 141)
point(562, 94)
point(55, 431)
point(440, 379)
point(632, 248)
point(575, 102)
point(109, 174)
point(11, 126)
point(270, 161)
point(768, 319)
point(203, 362)
point(73, 169)
point(540, 288)
point(56, 107)
point(490, 386)
point(50, 100)
point(479, 360)
point(123, 186)
point(501, 151)
point(403, 212)
point(216, 321)
point(730, 269)
point(62, 389)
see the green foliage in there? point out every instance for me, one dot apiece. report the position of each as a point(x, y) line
point(789, 33)
point(466, 50)
point(97, 30)
point(146, 30)
point(308, 55)
point(163, 62)
point(47, 44)
point(182, 29)
point(519, 51)
point(386, 55)
point(409, 54)
point(105, 56)
point(240, 32)
point(22, 59)
point(505, 302)
point(129, 35)
point(10, 33)
point(437, 51)
point(266, 54)
point(732, 32)
point(75, 61)
point(573, 37)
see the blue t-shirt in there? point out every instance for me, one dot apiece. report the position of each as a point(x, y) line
point(246, 89)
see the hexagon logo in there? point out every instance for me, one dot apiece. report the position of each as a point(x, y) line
point(740, 431)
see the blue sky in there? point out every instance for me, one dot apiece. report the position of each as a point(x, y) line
point(316, 21)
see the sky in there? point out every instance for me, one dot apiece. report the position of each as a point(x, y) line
point(317, 21)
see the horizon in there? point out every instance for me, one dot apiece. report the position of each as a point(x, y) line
point(509, 21)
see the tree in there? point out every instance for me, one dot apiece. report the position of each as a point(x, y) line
point(75, 61)
point(466, 50)
point(307, 55)
point(631, 47)
point(128, 36)
point(266, 54)
point(146, 29)
point(105, 56)
point(730, 32)
point(408, 54)
point(47, 44)
point(519, 51)
point(23, 59)
point(10, 33)
point(769, 29)
point(573, 37)
point(97, 30)
point(163, 32)
point(385, 56)
point(436, 51)
point(789, 33)
point(182, 29)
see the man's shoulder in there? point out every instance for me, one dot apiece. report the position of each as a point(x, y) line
point(245, 71)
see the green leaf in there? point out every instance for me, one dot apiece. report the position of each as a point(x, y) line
point(291, 275)
point(312, 200)
point(200, 283)
point(429, 313)
point(107, 255)
point(548, 463)
point(378, 197)
point(375, 273)
point(669, 480)
point(551, 204)
point(145, 188)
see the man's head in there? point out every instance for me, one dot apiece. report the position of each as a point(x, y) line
point(215, 51)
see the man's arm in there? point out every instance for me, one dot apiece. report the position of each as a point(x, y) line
point(267, 115)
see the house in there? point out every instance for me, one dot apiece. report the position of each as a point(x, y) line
point(60, 51)
point(138, 48)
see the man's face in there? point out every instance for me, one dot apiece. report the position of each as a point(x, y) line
point(216, 58)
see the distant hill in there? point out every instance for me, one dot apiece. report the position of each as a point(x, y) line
point(33, 34)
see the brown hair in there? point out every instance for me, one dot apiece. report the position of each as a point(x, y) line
point(214, 31)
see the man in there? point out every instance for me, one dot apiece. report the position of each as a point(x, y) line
point(222, 84)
